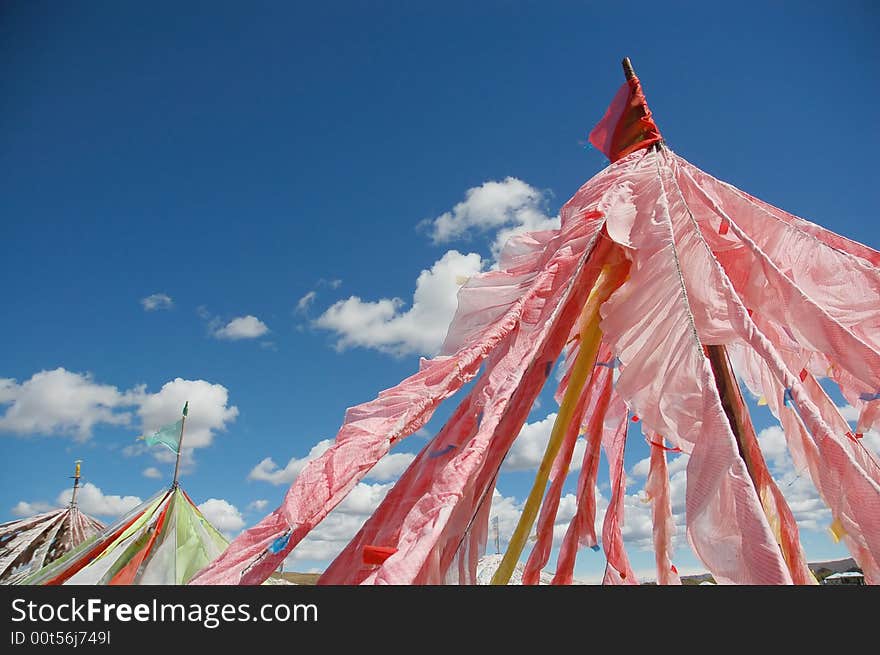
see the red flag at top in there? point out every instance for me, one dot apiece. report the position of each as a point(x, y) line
point(627, 125)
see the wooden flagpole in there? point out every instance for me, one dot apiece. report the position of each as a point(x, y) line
point(735, 408)
point(179, 447)
point(76, 477)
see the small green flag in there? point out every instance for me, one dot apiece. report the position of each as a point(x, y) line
point(185, 408)
point(168, 436)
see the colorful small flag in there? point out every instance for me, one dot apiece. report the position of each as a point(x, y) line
point(168, 436)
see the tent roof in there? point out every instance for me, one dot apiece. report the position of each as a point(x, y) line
point(165, 540)
point(35, 541)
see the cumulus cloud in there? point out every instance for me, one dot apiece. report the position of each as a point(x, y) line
point(24, 508)
point(638, 524)
point(387, 468)
point(510, 206)
point(92, 500)
point(504, 208)
point(156, 302)
point(222, 515)
point(674, 464)
point(528, 449)
point(386, 326)
point(152, 472)
point(242, 327)
point(258, 505)
point(209, 412)
point(772, 442)
point(871, 442)
point(61, 402)
point(390, 467)
point(267, 470)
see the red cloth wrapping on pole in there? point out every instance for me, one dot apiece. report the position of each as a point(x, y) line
point(627, 125)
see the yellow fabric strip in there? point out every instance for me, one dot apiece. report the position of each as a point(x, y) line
point(583, 365)
point(837, 530)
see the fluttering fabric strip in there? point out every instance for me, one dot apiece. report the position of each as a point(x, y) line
point(385, 523)
point(371, 428)
point(657, 493)
point(839, 465)
point(617, 567)
point(775, 506)
point(804, 450)
point(581, 530)
point(434, 526)
point(587, 402)
point(609, 279)
point(668, 382)
point(810, 310)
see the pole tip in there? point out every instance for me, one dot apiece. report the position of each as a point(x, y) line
point(628, 68)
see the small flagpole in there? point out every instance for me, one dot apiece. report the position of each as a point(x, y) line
point(628, 68)
point(75, 484)
point(179, 447)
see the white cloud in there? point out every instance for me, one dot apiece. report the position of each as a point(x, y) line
point(92, 500)
point(809, 510)
point(510, 206)
point(209, 412)
point(61, 402)
point(871, 442)
point(387, 468)
point(390, 467)
point(222, 515)
point(638, 523)
point(152, 472)
point(364, 498)
point(242, 327)
point(384, 325)
point(303, 304)
point(507, 207)
point(268, 471)
point(66, 403)
point(157, 301)
point(8, 388)
point(849, 412)
point(773, 445)
point(528, 449)
point(24, 508)
point(641, 468)
point(674, 464)
point(258, 505)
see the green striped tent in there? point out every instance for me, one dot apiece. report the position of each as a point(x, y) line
point(166, 540)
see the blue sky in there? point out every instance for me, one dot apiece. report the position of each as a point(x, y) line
point(248, 166)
